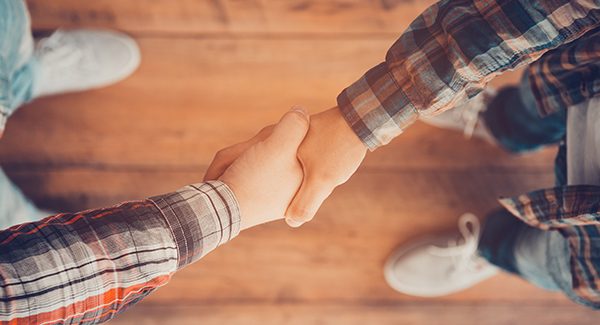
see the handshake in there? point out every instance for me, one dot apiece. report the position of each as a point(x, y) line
point(287, 170)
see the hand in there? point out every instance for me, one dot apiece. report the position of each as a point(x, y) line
point(267, 174)
point(225, 157)
point(330, 154)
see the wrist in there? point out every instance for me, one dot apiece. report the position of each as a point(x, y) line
point(345, 131)
point(240, 202)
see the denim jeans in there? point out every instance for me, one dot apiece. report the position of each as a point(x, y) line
point(17, 65)
point(540, 257)
point(514, 121)
point(17, 76)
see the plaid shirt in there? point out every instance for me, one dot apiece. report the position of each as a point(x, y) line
point(449, 54)
point(87, 267)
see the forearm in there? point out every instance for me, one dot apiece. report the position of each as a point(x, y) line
point(450, 52)
point(88, 266)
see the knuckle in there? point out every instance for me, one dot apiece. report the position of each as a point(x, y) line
point(301, 215)
point(299, 118)
point(264, 132)
point(221, 154)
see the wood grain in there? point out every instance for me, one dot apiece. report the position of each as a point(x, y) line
point(350, 314)
point(192, 97)
point(213, 73)
point(234, 17)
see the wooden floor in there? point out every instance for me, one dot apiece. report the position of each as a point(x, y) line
point(213, 73)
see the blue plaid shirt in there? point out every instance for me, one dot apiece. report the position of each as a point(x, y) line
point(451, 51)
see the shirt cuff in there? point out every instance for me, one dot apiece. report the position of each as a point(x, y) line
point(201, 217)
point(518, 206)
point(376, 108)
point(558, 207)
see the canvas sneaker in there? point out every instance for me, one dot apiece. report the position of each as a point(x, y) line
point(15, 208)
point(439, 266)
point(467, 117)
point(77, 60)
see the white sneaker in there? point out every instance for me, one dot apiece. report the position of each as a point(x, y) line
point(466, 117)
point(15, 208)
point(78, 60)
point(439, 266)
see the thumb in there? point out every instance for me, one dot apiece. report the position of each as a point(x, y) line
point(291, 129)
point(306, 203)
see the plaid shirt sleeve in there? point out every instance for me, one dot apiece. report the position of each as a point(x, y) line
point(450, 52)
point(87, 267)
point(568, 75)
point(559, 207)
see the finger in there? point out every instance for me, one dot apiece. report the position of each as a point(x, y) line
point(307, 202)
point(291, 130)
point(224, 158)
point(218, 166)
point(293, 223)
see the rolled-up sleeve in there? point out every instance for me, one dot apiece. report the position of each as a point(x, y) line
point(87, 267)
point(201, 217)
point(450, 52)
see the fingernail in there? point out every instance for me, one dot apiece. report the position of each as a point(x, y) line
point(293, 223)
point(299, 109)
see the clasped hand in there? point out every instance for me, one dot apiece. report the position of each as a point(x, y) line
point(288, 169)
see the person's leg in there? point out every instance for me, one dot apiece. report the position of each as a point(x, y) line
point(540, 257)
point(16, 57)
point(24, 74)
point(440, 265)
point(513, 120)
point(518, 248)
point(507, 118)
point(67, 61)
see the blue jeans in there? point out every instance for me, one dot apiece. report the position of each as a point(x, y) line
point(17, 77)
point(540, 257)
point(17, 65)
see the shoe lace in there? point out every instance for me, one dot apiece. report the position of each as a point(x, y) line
point(58, 51)
point(463, 252)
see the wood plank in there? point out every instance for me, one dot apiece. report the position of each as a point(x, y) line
point(192, 97)
point(213, 73)
point(231, 16)
point(334, 314)
point(347, 244)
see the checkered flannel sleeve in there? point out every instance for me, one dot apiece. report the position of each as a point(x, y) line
point(450, 52)
point(87, 267)
point(558, 207)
